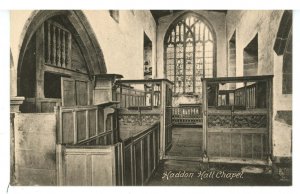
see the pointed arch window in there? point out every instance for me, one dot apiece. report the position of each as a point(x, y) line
point(189, 54)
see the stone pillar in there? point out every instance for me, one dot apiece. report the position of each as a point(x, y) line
point(15, 103)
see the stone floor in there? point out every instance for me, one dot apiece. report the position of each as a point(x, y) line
point(191, 173)
point(186, 142)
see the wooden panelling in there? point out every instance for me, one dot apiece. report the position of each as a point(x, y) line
point(145, 158)
point(68, 92)
point(81, 93)
point(68, 127)
point(141, 156)
point(225, 144)
point(128, 161)
point(92, 122)
point(138, 163)
point(100, 120)
point(247, 145)
point(101, 170)
point(81, 125)
point(43, 105)
point(75, 177)
point(257, 146)
point(74, 92)
point(48, 106)
point(85, 123)
point(237, 143)
point(95, 166)
point(131, 97)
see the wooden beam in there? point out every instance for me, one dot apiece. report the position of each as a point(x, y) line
point(39, 72)
point(238, 79)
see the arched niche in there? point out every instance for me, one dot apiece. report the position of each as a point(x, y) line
point(57, 44)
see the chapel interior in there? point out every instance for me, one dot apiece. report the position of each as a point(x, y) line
point(118, 97)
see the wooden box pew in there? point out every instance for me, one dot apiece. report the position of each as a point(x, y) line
point(88, 148)
point(239, 131)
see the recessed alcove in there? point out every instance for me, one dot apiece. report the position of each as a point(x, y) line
point(251, 57)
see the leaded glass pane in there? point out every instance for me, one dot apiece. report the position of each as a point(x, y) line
point(179, 84)
point(189, 57)
point(189, 83)
point(190, 54)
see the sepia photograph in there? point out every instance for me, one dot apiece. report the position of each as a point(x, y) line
point(151, 97)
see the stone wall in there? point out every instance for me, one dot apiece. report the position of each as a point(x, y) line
point(122, 43)
point(34, 154)
point(247, 24)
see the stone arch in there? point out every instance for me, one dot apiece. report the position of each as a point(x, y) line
point(192, 13)
point(90, 46)
point(283, 32)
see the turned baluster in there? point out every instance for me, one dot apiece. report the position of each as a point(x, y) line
point(63, 50)
point(54, 46)
point(58, 50)
point(48, 60)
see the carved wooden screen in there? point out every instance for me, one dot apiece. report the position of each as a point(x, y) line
point(189, 54)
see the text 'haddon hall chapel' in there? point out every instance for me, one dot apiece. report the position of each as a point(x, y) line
point(151, 97)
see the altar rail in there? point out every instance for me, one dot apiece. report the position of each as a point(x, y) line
point(187, 115)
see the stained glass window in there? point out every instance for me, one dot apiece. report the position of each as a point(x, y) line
point(189, 48)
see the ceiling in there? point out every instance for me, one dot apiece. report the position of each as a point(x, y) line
point(160, 13)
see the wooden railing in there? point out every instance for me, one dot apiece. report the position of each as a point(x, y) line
point(58, 42)
point(249, 96)
point(187, 115)
point(141, 156)
point(128, 97)
point(246, 96)
point(79, 125)
point(132, 97)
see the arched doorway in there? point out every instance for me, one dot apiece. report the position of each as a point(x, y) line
point(57, 45)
